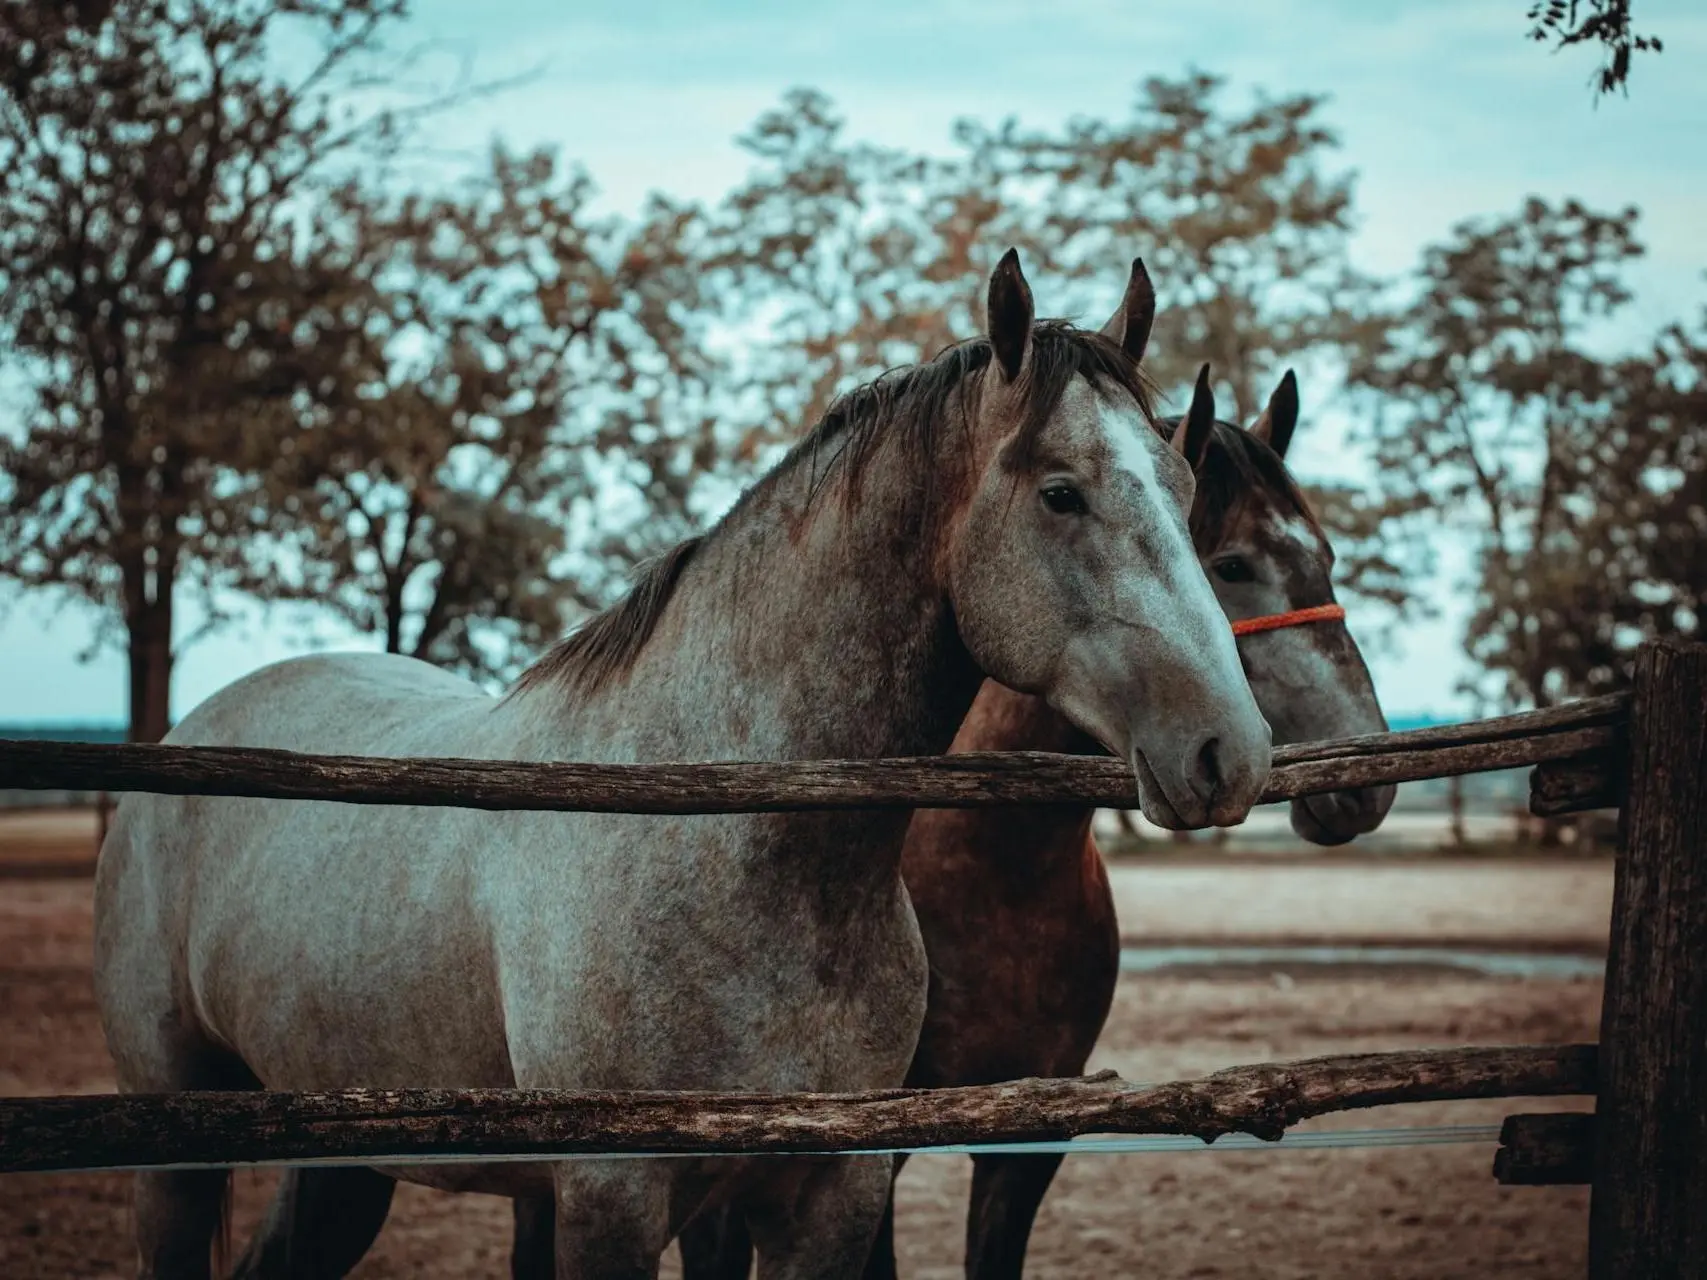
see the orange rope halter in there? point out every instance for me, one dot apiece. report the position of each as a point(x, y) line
point(1296, 618)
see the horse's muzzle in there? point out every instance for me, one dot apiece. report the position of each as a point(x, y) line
point(1341, 816)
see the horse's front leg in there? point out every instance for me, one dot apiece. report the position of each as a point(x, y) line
point(613, 1220)
point(319, 1225)
point(533, 1253)
point(716, 1245)
point(1006, 1192)
point(881, 1263)
point(819, 1224)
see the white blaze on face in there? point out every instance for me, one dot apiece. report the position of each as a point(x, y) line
point(1296, 531)
point(1301, 689)
point(1170, 589)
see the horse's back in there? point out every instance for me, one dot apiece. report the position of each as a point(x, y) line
point(335, 704)
point(348, 703)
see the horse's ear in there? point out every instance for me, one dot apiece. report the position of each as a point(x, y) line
point(1010, 314)
point(1191, 436)
point(1131, 321)
point(1275, 424)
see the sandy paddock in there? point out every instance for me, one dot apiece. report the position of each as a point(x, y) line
point(1420, 1212)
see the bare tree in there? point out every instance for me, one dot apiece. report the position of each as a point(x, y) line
point(1578, 478)
point(152, 164)
point(524, 356)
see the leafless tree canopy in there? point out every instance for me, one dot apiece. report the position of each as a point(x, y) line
point(258, 358)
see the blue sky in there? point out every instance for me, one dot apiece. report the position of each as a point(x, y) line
point(1444, 110)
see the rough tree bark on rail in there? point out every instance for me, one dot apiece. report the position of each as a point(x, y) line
point(1585, 735)
point(240, 1128)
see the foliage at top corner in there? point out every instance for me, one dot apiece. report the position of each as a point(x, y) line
point(1607, 23)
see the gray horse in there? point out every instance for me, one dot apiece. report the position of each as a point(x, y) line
point(1015, 906)
point(1010, 509)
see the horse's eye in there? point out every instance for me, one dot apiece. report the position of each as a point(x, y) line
point(1235, 569)
point(1064, 500)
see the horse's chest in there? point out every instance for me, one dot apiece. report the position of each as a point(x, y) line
point(701, 988)
point(1020, 986)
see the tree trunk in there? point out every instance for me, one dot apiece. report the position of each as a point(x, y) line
point(397, 578)
point(1455, 808)
point(148, 622)
point(1549, 831)
point(394, 613)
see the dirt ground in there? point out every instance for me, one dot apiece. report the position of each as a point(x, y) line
point(1335, 1214)
point(1539, 904)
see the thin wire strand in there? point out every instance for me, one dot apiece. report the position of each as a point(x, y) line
point(1125, 1144)
point(1098, 1144)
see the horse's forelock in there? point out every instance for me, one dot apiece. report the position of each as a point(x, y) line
point(1060, 353)
point(1238, 471)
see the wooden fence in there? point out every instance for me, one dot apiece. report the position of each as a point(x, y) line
point(1644, 1149)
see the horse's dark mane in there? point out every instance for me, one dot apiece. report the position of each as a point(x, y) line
point(907, 406)
point(1237, 465)
point(910, 403)
point(609, 641)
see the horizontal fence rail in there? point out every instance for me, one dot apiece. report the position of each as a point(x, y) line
point(415, 1125)
point(1577, 743)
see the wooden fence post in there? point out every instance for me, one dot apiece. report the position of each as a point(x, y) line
point(1648, 1210)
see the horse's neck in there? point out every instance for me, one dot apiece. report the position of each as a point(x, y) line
point(810, 635)
point(1002, 720)
point(798, 631)
point(957, 858)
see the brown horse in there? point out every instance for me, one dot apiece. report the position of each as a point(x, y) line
point(1014, 904)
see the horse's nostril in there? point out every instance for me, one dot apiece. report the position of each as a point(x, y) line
point(1206, 775)
point(1354, 806)
point(1366, 802)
